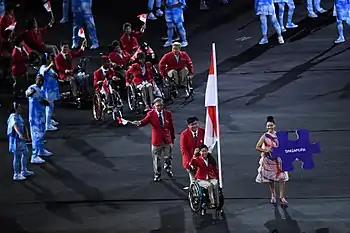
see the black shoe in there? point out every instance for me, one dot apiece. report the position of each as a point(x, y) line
point(156, 178)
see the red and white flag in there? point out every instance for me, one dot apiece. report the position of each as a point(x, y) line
point(81, 33)
point(212, 125)
point(122, 121)
point(47, 6)
point(11, 27)
point(143, 18)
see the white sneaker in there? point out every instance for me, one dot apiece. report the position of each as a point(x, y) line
point(159, 13)
point(37, 160)
point(340, 39)
point(312, 15)
point(151, 16)
point(51, 128)
point(27, 173)
point(321, 10)
point(18, 177)
point(54, 123)
point(280, 40)
point(45, 153)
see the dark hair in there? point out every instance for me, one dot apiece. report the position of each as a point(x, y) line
point(9, 7)
point(17, 41)
point(141, 56)
point(270, 119)
point(63, 43)
point(46, 57)
point(29, 24)
point(112, 46)
point(14, 107)
point(191, 120)
point(126, 25)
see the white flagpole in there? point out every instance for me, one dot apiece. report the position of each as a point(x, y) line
point(217, 117)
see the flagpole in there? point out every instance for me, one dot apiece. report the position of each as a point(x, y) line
point(217, 117)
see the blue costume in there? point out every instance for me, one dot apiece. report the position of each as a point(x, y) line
point(82, 14)
point(317, 7)
point(174, 17)
point(52, 93)
point(263, 8)
point(18, 147)
point(2, 7)
point(291, 8)
point(158, 10)
point(37, 123)
point(342, 12)
point(65, 7)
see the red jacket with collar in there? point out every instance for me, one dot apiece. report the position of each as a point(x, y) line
point(203, 171)
point(62, 64)
point(98, 76)
point(130, 42)
point(120, 60)
point(5, 21)
point(188, 145)
point(169, 62)
point(33, 38)
point(137, 77)
point(159, 134)
point(19, 62)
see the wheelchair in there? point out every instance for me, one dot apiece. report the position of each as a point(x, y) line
point(198, 199)
point(82, 79)
point(135, 100)
point(100, 106)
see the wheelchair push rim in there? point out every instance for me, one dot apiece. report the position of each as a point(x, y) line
point(97, 107)
point(195, 198)
point(131, 98)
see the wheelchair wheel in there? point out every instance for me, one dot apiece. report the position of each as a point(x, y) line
point(170, 90)
point(221, 199)
point(97, 107)
point(195, 197)
point(189, 87)
point(132, 101)
point(118, 108)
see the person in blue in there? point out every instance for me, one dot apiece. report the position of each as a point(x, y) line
point(265, 8)
point(50, 88)
point(82, 14)
point(37, 104)
point(314, 4)
point(2, 7)
point(158, 12)
point(342, 13)
point(291, 8)
point(65, 10)
point(174, 18)
point(17, 144)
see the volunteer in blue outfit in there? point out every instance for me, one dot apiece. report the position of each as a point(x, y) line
point(17, 143)
point(50, 88)
point(158, 12)
point(312, 6)
point(65, 10)
point(174, 17)
point(37, 103)
point(82, 14)
point(265, 8)
point(291, 8)
point(342, 12)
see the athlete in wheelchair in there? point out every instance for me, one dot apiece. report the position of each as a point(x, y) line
point(106, 97)
point(141, 89)
point(204, 192)
point(176, 68)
